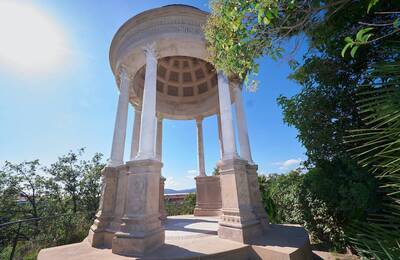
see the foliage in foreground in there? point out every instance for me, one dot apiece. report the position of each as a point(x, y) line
point(324, 206)
point(64, 196)
point(54, 231)
point(379, 237)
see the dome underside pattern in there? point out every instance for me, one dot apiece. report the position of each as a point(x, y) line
point(183, 77)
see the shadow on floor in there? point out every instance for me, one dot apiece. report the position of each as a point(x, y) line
point(168, 251)
point(283, 236)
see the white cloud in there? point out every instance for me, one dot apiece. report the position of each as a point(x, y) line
point(289, 164)
point(179, 182)
point(171, 183)
point(191, 174)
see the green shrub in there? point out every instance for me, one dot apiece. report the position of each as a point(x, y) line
point(325, 200)
point(59, 230)
point(186, 207)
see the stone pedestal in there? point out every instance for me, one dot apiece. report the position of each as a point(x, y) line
point(100, 231)
point(255, 195)
point(238, 221)
point(163, 212)
point(208, 196)
point(141, 229)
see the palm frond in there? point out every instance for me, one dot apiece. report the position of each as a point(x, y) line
point(377, 147)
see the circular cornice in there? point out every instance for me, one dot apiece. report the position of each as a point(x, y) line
point(186, 83)
point(182, 19)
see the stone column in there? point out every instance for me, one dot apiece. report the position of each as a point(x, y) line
point(141, 230)
point(100, 233)
point(221, 145)
point(118, 144)
point(200, 148)
point(147, 127)
point(243, 135)
point(163, 212)
point(159, 138)
point(136, 133)
point(225, 108)
point(238, 221)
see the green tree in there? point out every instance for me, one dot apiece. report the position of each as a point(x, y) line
point(216, 171)
point(239, 32)
point(68, 172)
point(65, 200)
point(326, 106)
point(90, 184)
point(189, 203)
point(9, 191)
point(78, 179)
point(25, 181)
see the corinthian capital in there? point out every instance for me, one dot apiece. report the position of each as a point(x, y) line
point(150, 50)
point(235, 83)
point(199, 120)
point(123, 72)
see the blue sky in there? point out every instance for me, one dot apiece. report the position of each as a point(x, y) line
point(44, 114)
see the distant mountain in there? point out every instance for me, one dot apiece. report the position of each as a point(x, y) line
point(172, 191)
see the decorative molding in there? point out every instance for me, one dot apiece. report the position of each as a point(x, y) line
point(123, 71)
point(180, 24)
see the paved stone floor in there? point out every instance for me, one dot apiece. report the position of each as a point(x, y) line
point(189, 237)
point(184, 227)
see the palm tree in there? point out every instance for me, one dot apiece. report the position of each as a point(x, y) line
point(378, 149)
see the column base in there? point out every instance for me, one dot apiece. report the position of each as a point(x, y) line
point(242, 234)
point(141, 230)
point(99, 233)
point(238, 221)
point(255, 195)
point(137, 245)
point(100, 239)
point(208, 196)
point(203, 212)
point(163, 212)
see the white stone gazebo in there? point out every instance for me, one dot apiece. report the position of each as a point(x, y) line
point(159, 61)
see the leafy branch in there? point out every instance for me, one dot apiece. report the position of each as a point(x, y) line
point(363, 35)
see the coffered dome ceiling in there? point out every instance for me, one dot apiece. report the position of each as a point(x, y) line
point(183, 77)
point(186, 87)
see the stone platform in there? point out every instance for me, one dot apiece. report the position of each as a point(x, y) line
point(189, 237)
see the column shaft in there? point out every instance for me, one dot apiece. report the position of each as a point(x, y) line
point(225, 108)
point(118, 144)
point(243, 135)
point(200, 148)
point(136, 133)
point(221, 144)
point(159, 139)
point(147, 128)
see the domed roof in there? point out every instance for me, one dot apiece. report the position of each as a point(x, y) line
point(181, 76)
point(186, 82)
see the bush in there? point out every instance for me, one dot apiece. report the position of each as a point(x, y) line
point(186, 207)
point(325, 200)
point(60, 230)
